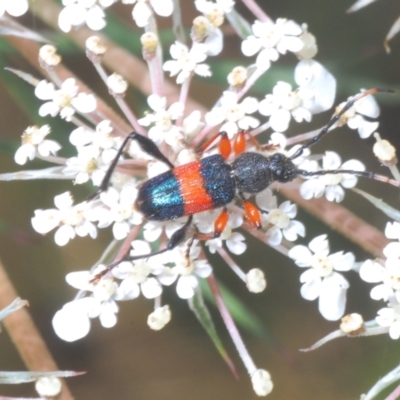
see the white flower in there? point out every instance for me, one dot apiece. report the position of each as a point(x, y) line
point(33, 142)
point(331, 184)
point(215, 11)
point(101, 139)
point(65, 100)
point(143, 9)
point(187, 62)
point(283, 104)
point(136, 275)
point(206, 29)
point(87, 165)
point(354, 117)
point(390, 317)
point(71, 220)
point(388, 274)
point(317, 86)
point(233, 113)
point(186, 270)
point(79, 12)
point(72, 322)
point(15, 8)
point(270, 39)
point(315, 94)
point(120, 210)
point(322, 280)
point(279, 221)
point(205, 32)
point(162, 118)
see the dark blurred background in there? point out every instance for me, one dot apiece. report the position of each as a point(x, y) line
point(130, 361)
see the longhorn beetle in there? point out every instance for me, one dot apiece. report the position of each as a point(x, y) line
point(212, 182)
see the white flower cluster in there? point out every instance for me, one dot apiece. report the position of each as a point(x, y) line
point(125, 282)
point(387, 274)
point(322, 281)
point(176, 132)
point(64, 101)
point(330, 184)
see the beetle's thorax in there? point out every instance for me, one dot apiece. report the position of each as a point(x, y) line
point(253, 172)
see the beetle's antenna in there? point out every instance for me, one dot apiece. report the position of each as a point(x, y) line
point(336, 117)
point(365, 174)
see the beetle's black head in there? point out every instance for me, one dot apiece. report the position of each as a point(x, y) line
point(282, 168)
point(253, 172)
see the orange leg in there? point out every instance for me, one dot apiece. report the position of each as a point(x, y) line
point(219, 226)
point(252, 214)
point(239, 145)
point(224, 146)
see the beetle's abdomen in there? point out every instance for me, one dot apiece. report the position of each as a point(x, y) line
point(187, 189)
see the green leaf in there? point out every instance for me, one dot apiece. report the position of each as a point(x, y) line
point(197, 305)
point(381, 205)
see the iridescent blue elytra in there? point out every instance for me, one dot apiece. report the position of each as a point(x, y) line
point(187, 189)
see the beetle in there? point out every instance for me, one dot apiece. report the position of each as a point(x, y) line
point(213, 182)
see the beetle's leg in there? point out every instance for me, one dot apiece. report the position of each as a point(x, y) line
point(224, 146)
point(239, 144)
point(252, 214)
point(147, 145)
point(219, 226)
point(177, 238)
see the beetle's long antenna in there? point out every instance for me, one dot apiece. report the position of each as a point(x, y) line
point(365, 174)
point(147, 145)
point(336, 117)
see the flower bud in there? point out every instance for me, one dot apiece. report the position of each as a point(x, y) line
point(310, 48)
point(200, 29)
point(117, 84)
point(95, 49)
point(159, 318)
point(238, 76)
point(216, 15)
point(352, 324)
point(48, 56)
point(48, 386)
point(262, 383)
point(255, 281)
point(384, 151)
point(150, 43)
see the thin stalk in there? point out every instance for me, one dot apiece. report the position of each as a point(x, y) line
point(155, 65)
point(257, 11)
point(231, 326)
point(231, 263)
point(129, 114)
point(183, 98)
